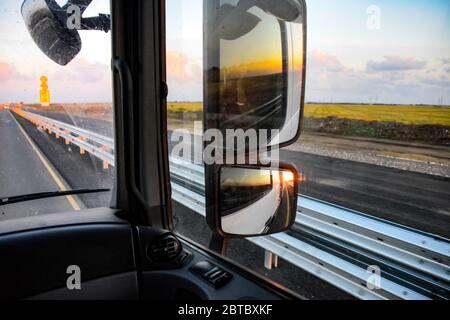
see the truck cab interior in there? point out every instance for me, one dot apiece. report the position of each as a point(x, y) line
point(188, 150)
point(131, 250)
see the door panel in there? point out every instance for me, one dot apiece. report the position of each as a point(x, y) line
point(35, 260)
point(116, 287)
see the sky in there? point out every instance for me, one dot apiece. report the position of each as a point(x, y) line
point(384, 51)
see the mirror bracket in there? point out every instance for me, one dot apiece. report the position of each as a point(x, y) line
point(100, 23)
point(218, 244)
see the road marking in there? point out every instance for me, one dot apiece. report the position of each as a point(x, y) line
point(49, 168)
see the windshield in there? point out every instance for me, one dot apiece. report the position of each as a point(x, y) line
point(56, 122)
point(373, 156)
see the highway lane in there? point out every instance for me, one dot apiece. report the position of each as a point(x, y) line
point(416, 200)
point(85, 171)
point(79, 171)
point(23, 171)
point(420, 201)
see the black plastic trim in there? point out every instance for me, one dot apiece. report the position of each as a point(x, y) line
point(36, 261)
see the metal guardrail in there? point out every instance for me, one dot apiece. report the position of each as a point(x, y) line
point(415, 265)
point(95, 137)
point(333, 243)
point(100, 146)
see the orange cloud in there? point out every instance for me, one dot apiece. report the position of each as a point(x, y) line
point(324, 62)
point(84, 72)
point(181, 68)
point(6, 71)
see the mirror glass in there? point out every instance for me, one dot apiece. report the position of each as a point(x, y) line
point(256, 201)
point(45, 21)
point(254, 62)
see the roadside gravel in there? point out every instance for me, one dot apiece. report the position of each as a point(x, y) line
point(417, 158)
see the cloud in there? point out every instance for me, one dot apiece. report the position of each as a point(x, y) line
point(395, 63)
point(319, 61)
point(181, 68)
point(184, 76)
point(84, 72)
point(329, 80)
point(439, 82)
point(6, 71)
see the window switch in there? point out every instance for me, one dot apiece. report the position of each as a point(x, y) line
point(202, 268)
point(214, 275)
point(221, 280)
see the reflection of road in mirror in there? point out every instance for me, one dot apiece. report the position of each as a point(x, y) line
point(255, 201)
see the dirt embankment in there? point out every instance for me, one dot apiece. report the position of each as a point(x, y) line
point(432, 134)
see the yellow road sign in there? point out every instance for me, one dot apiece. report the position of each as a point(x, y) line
point(44, 93)
point(45, 98)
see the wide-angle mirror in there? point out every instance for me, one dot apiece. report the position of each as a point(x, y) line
point(254, 61)
point(256, 201)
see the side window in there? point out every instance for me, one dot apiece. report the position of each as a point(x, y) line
point(56, 115)
point(374, 186)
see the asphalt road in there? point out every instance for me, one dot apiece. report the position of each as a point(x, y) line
point(412, 199)
point(416, 200)
point(23, 172)
point(79, 171)
point(85, 171)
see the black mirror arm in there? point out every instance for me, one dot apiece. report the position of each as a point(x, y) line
point(218, 244)
point(102, 22)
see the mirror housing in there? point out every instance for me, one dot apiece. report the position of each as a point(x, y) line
point(254, 201)
point(254, 62)
point(47, 24)
point(287, 10)
point(254, 85)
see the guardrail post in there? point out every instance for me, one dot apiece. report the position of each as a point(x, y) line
point(67, 132)
point(105, 163)
point(270, 260)
point(82, 151)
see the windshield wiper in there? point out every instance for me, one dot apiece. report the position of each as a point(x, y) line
point(44, 195)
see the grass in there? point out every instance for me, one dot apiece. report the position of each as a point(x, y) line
point(409, 115)
point(184, 107)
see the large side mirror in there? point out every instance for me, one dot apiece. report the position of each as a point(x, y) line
point(47, 23)
point(255, 201)
point(254, 60)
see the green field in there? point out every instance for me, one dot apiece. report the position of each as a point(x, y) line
point(409, 115)
point(177, 107)
point(412, 115)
